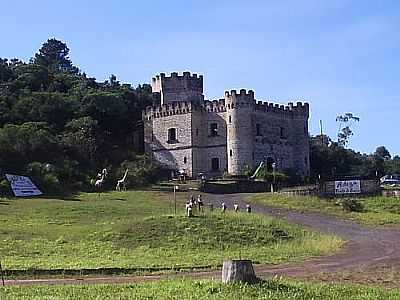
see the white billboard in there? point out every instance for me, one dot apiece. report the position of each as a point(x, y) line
point(347, 187)
point(22, 186)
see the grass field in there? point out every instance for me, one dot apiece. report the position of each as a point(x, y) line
point(378, 211)
point(136, 230)
point(276, 289)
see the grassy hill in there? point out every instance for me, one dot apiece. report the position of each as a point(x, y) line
point(137, 231)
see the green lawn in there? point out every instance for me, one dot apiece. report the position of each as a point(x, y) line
point(136, 230)
point(377, 210)
point(276, 289)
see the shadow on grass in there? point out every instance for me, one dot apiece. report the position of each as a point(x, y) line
point(118, 199)
point(37, 273)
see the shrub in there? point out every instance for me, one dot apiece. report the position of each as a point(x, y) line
point(351, 205)
point(142, 171)
point(269, 176)
point(5, 188)
point(45, 177)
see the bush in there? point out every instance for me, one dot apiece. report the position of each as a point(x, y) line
point(142, 171)
point(351, 205)
point(269, 176)
point(45, 177)
point(5, 188)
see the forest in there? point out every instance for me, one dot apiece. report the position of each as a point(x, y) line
point(61, 127)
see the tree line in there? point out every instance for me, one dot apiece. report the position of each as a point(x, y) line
point(60, 127)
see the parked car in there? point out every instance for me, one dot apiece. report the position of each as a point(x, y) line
point(393, 179)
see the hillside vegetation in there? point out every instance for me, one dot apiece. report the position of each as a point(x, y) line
point(137, 230)
point(382, 211)
point(61, 127)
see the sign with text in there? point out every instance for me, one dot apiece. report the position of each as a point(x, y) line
point(347, 187)
point(22, 186)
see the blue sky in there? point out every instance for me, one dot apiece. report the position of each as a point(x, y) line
point(340, 55)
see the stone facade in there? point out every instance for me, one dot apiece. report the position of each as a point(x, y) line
point(182, 131)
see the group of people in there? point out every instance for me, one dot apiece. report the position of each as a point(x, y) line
point(236, 207)
point(193, 203)
point(198, 203)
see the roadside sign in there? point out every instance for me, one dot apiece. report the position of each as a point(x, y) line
point(22, 186)
point(347, 187)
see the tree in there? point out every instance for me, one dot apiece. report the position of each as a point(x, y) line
point(383, 153)
point(345, 133)
point(54, 56)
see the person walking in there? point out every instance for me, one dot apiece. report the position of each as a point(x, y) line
point(223, 207)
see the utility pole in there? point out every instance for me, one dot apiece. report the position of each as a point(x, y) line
point(175, 188)
point(320, 127)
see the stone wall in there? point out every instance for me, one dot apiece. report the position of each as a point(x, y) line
point(282, 136)
point(238, 186)
point(188, 87)
point(172, 154)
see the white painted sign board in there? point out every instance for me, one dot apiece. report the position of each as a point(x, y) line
point(347, 187)
point(22, 186)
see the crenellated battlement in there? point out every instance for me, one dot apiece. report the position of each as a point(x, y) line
point(299, 109)
point(242, 95)
point(216, 106)
point(179, 108)
point(185, 87)
point(186, 75)
point(182, 94)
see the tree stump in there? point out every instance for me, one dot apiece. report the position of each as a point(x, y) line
point(238, 271)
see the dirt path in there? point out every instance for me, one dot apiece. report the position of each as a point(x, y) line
point(365, 250)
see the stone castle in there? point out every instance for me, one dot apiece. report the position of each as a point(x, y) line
point(185, 132)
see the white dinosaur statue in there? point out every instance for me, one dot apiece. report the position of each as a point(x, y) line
point(101, 177)
point(257, 170)
point(122, 182)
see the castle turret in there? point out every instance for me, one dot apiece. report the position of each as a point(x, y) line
point(178, 88)
point(239, 130)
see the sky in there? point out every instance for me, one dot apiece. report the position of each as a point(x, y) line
point(340, 55)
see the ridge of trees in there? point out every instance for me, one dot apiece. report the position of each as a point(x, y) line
point(60, 126)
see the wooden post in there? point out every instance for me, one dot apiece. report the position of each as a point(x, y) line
point(238, 271)
point(2, 274)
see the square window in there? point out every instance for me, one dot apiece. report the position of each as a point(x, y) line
point(215, 164)
point(172, 135)
point(213, 129)
point(258, 129)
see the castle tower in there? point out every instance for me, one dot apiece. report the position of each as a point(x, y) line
point(178, 88)
point(240, 134)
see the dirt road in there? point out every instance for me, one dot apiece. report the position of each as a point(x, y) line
point(366, 250)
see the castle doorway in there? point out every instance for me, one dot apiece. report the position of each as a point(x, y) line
point(270, 164)
point(215, 164)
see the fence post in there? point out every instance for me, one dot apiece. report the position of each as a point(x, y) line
point(2, 274)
